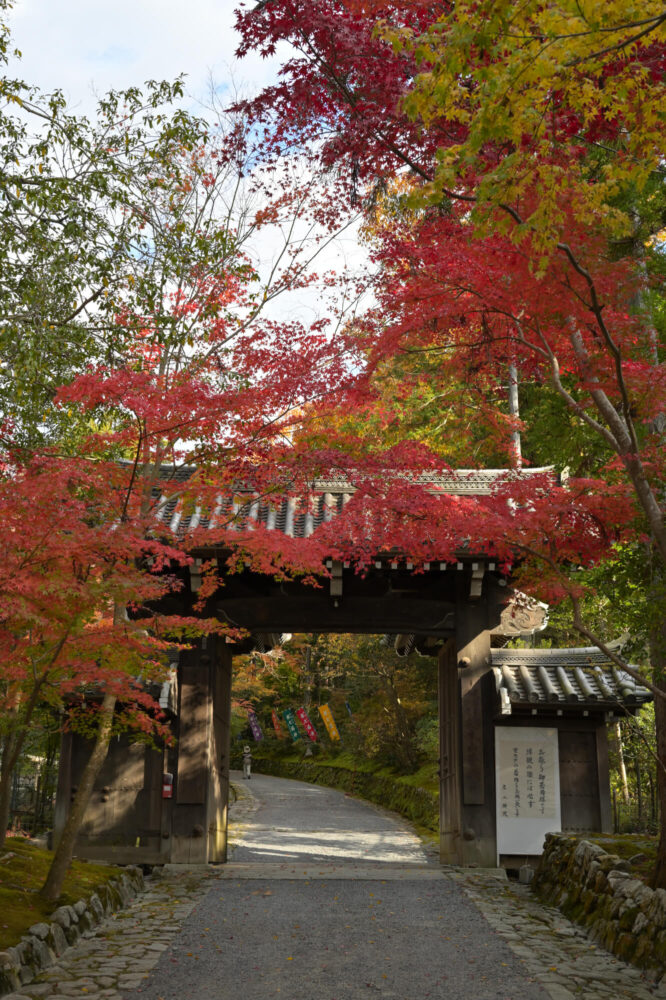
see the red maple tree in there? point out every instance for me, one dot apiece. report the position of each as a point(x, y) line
point(508, 251)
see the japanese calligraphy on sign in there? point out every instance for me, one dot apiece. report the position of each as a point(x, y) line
point(276, 725)
point(307, 725)
point(526, 768)
point(254, 726)
point(329, 722)
point(528, 793)
point(290, 719)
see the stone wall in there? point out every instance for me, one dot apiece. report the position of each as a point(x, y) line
point(598, 890)
point(45, 942)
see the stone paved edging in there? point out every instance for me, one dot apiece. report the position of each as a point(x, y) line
point(119, 957)
point(44, 943)
point(126, 946)
point(243, 807)
point(555, 952)
point(115, 950)
point(597, 890)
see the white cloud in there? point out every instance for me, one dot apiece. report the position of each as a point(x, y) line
point(82, 46)
point(85, 47)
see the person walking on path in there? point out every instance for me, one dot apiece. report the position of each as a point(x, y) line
point(247, 762)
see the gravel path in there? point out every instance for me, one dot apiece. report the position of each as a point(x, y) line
point(292, 821)
point(307, 910)
point(328, 897)
point(338, 940)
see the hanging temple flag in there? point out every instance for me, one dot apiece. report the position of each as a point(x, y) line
point(276, 725)
point(329, 722)
point(307, 725)
point(288, 716)
point(254, 726)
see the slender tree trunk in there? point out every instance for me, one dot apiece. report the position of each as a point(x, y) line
point(6, 787)
point(13, 744)
point(514, 410)
point(402, 724)
point(658, 663)
point(639, 793)
point(62, 858)
point(307, 698)
point(46, 787)
point(11, 751)
point(621, 763)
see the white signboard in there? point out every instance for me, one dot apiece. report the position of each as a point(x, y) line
point(528, 788)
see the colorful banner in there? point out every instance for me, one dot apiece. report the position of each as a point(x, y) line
point(254, 726)
point(288, 716)
point(329, 722)
point(276, 725)
point(307, 725)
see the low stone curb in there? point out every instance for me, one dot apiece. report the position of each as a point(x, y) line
point(598, 891)
point(244, 803)
point(46, 942)
point(557, 954)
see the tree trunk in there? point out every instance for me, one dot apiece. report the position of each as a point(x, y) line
point(514, 410)
point(307, 697)
point(11, 752)
point(404, 740)
point(639, 793)
point(621, 763)
point(62, 858)
point(6, 787)
point(13, 742)
point(658, 663)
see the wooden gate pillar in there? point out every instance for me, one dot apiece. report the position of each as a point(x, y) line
point(199, 814)
point(478, 841)
point(449, 757)
point(218, 795)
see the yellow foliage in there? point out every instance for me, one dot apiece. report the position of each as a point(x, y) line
point(518, 73)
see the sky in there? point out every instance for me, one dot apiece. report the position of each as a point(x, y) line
point(86, 47)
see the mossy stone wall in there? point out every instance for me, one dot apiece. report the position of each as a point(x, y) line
point(599, 891)
point(45, 942)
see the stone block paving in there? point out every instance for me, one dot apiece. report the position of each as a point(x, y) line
point(117, 959)
point(119, 955)
point(557, 953)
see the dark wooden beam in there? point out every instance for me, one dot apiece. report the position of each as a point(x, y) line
point(358, 614)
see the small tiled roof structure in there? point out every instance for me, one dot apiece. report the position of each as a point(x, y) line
point(580, 678)
point(299, 519)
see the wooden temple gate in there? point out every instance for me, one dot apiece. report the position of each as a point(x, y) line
point(454, 612)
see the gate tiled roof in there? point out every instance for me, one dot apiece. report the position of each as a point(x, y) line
point(581, 677)
point(298, 518)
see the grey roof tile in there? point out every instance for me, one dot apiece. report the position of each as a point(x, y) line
point(581, 676)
